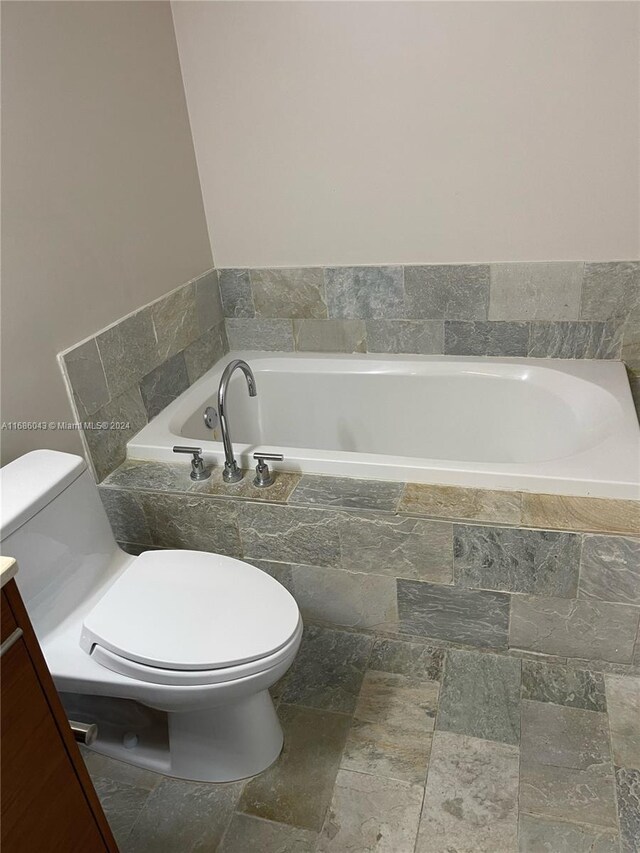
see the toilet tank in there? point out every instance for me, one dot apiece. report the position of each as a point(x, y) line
point(53, 522)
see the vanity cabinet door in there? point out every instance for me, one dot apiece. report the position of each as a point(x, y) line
point(43, 806)
point(48, 802)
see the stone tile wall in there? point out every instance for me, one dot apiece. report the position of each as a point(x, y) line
point(542, 310)
point(465, 568)
point(129, 372)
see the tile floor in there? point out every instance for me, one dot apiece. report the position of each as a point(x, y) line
point(396, 747)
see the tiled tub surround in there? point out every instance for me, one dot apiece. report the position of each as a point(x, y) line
point(565, 427)
point(452, 566)
point(548, 310)
point(401, 746)
point(131, 370)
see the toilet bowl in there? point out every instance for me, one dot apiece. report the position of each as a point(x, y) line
point(172, 652)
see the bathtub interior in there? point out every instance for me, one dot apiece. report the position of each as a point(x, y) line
point(561, 427)
point(476, 416)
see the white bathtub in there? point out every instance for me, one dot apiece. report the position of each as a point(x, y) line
point(551, 426)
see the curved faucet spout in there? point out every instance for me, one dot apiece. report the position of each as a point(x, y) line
point(232, 473)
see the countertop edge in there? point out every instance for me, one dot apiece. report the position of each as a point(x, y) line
point(8, 569)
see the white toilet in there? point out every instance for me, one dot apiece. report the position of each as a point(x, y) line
point(171, 653)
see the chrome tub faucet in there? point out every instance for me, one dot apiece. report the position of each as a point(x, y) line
point(231, 473)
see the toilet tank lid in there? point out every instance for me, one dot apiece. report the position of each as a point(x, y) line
point(31, 482)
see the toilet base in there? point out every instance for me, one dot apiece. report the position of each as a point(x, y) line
point(221, 744)
point(226, 743)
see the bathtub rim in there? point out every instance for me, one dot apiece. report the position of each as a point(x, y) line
point(155, 440)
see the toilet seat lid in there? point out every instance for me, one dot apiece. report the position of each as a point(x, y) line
point(191, 610)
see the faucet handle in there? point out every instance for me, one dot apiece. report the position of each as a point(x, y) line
point(198, 470)
point(270, 457)
point(264, 477)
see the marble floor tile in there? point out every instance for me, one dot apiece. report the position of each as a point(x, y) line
point(122, 805)
point(389, 751)
point(117, 771)
point(471, 798)
point(371, 814)
point(277, 690)
point(415, 659)
point(248, 834)
point(565, 767)
point(628, 795)
point(563, 685)
point(328, 671)
point(623, 702)
point(564, 737)
point(398, 700)
point(481, 696)
point(296, 790)
point(564, 793)
point(631, 670)
point(470, 616)
point(541, 835)
point(183, 817)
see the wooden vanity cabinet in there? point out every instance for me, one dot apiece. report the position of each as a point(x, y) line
point(48, 801)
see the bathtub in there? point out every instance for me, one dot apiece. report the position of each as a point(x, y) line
point(540, 425)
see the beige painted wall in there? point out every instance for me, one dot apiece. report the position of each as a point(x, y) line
point(101, 203)
point(338, 133)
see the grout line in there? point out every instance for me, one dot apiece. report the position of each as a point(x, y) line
point(594, 827)
point(433, 738)
point(144, 805)
point(520, 700)
point(613, 767)
point(348, 715)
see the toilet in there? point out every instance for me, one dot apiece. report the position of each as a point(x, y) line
point(172, 653)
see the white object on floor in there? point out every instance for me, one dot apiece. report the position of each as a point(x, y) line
point(171, 653)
